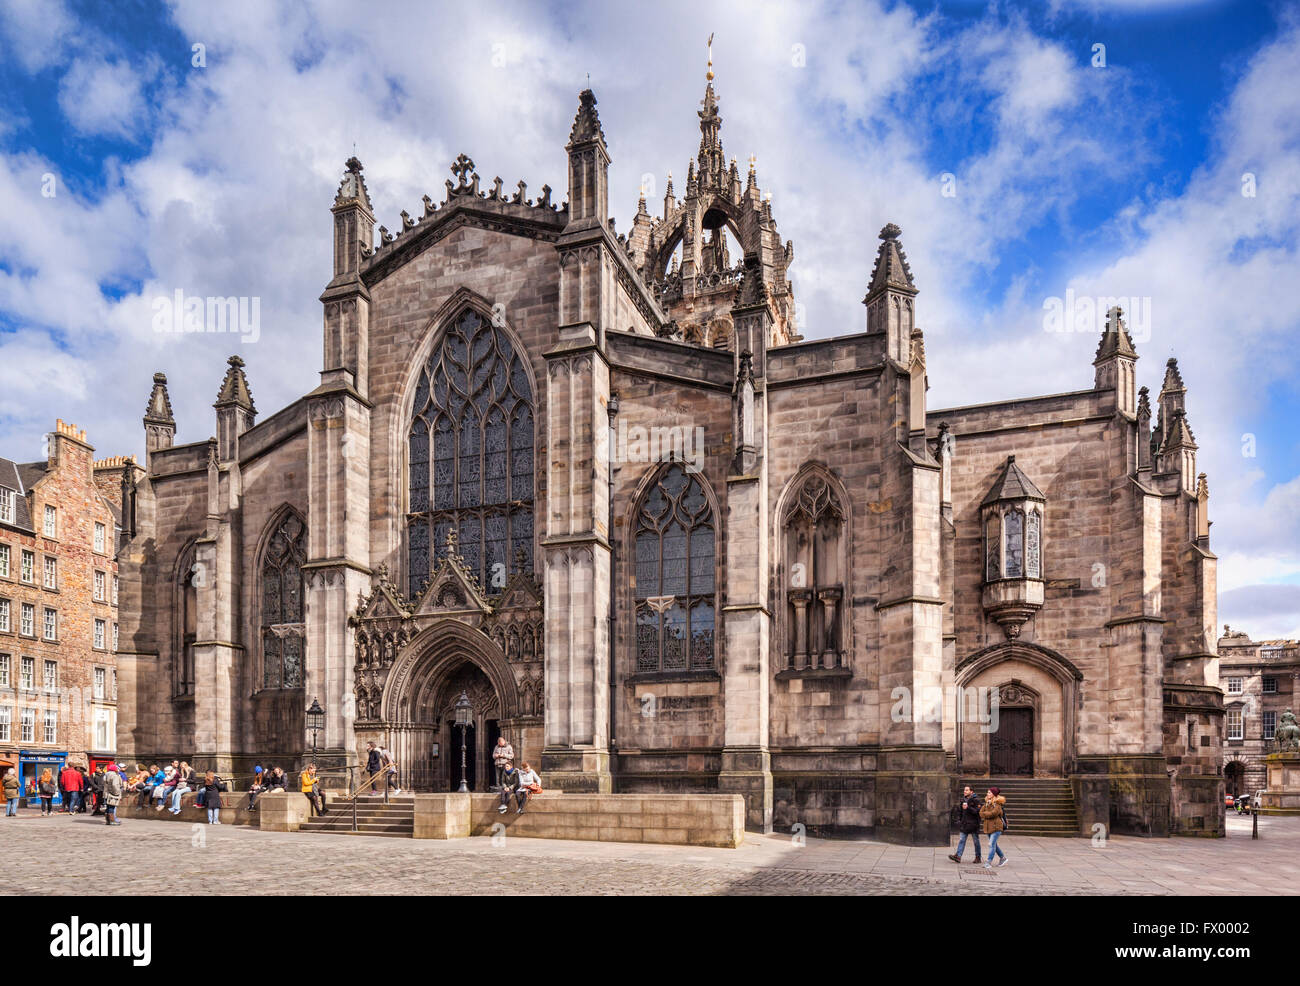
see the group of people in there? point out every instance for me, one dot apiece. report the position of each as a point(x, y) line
point(975, 814)
point(77, 789)
point(522, 782)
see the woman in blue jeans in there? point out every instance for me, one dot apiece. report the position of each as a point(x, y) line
point(11, 792)
point(993, 817)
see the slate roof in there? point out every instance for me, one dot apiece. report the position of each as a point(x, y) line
point(14, 476)
point(1012, 484)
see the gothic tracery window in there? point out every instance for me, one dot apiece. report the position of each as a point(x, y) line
point(470, 448)
point(282, 605)
point(816, 563)
point(675, 603)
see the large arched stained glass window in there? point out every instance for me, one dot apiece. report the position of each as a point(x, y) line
point(282, 610)
point(675, 605)
point(470, 449)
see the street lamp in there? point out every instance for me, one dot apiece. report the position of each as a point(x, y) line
point(464, 716)
point(315, 722)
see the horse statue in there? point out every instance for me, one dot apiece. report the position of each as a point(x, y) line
point(1288, 733)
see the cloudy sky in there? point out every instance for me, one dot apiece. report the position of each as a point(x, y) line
point(1108, 148)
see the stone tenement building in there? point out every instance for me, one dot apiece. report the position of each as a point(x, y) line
point(58, 605)
point(599, 484)
point(1261, 680)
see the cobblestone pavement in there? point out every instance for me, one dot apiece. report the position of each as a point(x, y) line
point(53, 856)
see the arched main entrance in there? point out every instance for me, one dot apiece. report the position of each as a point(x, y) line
point(439, 664)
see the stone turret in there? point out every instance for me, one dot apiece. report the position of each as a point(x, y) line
point(1116, 363)
point(891, 297)
point(159, 424)
point(235, 410)
point(588, 167)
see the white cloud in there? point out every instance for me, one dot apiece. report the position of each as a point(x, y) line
point(36, 32)
point(104, 98)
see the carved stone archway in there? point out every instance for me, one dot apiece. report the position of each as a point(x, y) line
point(420, 695)
point(1026, 676)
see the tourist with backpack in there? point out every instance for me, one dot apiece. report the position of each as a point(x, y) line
point(993, 812)
point(968, 823)
point(112, 794)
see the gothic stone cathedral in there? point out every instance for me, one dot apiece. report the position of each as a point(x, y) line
point(465, 505)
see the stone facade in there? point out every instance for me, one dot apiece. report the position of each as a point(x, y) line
point(1261, 680)
point(600, 486)
point(58, 603)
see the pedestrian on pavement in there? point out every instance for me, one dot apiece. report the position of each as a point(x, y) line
point(389, 763)
point(503, 756)
point(46, 788)
point(994, 816)
point(255, 788)
point(212, 788)
point(95, 791)
point(113, 788)
point(509, 786)
point(83, 796)
point(968, 823)
point(310, 783)
point(11, 793)
point(70, 785)
point(374, 765)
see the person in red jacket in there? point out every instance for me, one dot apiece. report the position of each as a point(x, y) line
point(71, 781)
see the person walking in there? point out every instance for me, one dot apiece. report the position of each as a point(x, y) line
point(389, 763)
point(994, 816)
point(70, 784)
point(968, 823)
point(11, 793)
point(47, 788)
point(113, 788)
point(212, 788)
point(374, 766)
point(95, 791)
point(503, 756)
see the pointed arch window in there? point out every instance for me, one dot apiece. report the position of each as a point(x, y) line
point(676, 607)
point(283, 626)
point(470, 455)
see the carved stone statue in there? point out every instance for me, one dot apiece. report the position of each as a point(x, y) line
point(1288, 732)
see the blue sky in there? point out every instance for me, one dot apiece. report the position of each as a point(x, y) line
point(1017, 166)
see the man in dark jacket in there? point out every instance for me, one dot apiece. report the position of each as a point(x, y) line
point(374, 766)
point(97, 790)
point(968, 823)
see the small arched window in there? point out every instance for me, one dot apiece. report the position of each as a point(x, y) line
point(283, 629)
point(675, 602)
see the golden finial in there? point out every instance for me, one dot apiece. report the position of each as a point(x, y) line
point(709, 74)
point(752, 161)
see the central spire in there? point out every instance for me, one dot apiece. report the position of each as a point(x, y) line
point(712, 163)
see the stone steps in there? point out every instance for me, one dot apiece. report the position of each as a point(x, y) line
point(1037, 806)
point(393, 820)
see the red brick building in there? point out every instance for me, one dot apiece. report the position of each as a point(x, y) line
point(59, 525)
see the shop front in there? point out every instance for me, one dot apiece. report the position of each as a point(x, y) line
point(31, 765)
